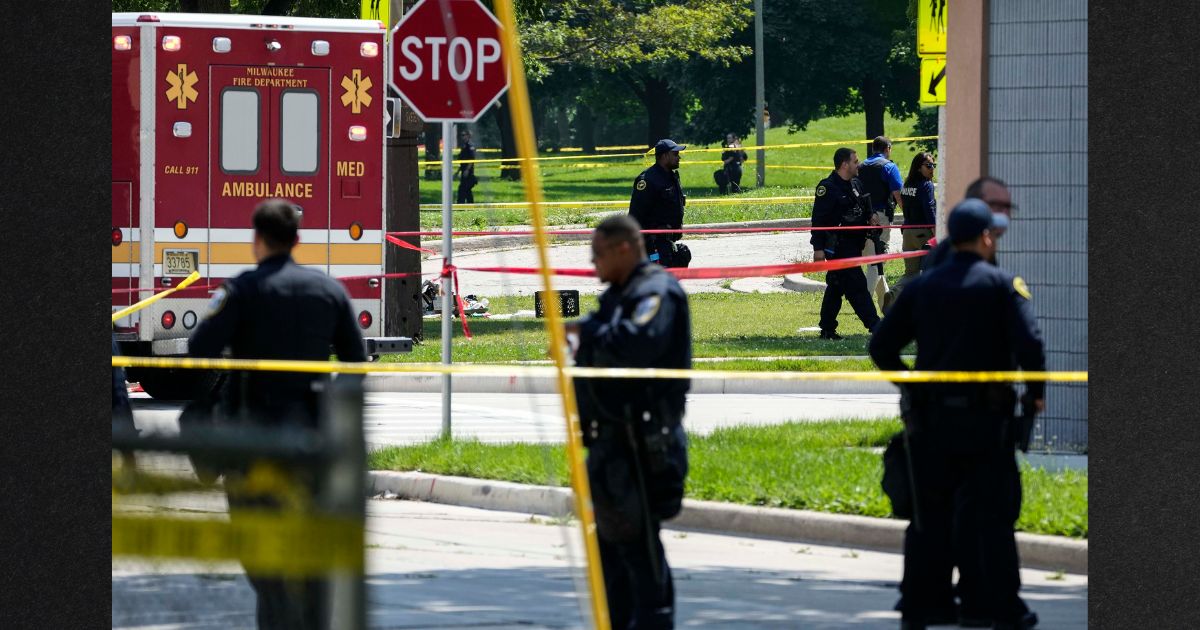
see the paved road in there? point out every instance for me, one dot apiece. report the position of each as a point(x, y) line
point(405, 418)
point(713, 251)
point(435, 566)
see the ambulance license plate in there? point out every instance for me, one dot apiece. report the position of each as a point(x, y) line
point(180, 262)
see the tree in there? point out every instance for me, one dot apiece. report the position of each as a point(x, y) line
point(821, 58)
point(643, 43)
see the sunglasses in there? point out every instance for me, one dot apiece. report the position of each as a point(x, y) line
point(930, 165)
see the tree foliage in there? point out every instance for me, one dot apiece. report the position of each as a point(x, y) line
point(688, 61)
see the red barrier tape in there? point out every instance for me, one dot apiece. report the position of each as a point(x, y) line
point(748, 230)
point(391, 237)
point(696, 273)
point(452, 272)
point(712, 273)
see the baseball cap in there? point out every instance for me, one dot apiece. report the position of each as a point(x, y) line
point(667, 144)
point(971, 217)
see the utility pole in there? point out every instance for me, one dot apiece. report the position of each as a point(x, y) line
point(759, 97)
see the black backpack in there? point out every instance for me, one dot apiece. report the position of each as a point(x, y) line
point(873, 181)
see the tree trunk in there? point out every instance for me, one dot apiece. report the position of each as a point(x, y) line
point(872, 95)
point(585, 128)
point(508, 142)
point(564, 126)
point(402, 296)
point(659, 100)
point(432, 133)
point(538, 110)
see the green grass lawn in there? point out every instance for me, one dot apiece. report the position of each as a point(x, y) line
point(723, 325)
point(597, 178)
point(823, 466)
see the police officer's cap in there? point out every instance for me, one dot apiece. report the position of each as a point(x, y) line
point(667, 144)
point(970, 218)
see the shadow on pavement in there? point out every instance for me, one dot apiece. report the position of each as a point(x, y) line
point(545, 597)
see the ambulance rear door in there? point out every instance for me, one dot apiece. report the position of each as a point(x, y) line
point(269, 138)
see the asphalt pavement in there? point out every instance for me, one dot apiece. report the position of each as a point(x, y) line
point(730, 250)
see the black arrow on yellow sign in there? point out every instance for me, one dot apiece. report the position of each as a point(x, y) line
point(937, 78)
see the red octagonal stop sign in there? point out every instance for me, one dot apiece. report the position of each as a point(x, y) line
point(446, 60)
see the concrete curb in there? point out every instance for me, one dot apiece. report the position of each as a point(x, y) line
point(1051, 553)
point(797, 282)
point(482, 384)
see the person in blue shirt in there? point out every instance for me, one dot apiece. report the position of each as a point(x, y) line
point(920, 208)
point(880, 178)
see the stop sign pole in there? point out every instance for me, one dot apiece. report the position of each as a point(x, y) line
point(444, 60)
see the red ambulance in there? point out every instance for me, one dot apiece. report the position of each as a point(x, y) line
point(213, 113)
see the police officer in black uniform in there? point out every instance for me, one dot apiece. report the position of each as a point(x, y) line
point(122, 411)
point(657, 204)
point(466, 172)
point(840, 201)
point(993, 192)
point(966, 315)
point(637, 449)
point(279, 310)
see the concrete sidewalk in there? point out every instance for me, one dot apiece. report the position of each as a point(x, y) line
point(1045, 552)
point(436, 566)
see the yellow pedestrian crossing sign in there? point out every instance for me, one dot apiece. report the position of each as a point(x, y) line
point(933, 81)
point(931, 28)
point(377, 10)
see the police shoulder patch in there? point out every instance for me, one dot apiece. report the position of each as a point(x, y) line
point(646, 310)
point(821, 190)
point(1020, 287)
point(216, 303)
point(641, 184)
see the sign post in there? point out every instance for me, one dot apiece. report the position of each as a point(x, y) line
point(445, 61)
point(932, 34)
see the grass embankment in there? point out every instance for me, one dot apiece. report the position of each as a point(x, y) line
point(723, 325)
point(822, 466)
point(598, 178)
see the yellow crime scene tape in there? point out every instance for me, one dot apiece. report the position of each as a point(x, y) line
point(339, 367)
point(704, 201)
point(796, 145)
point(521, 115)
point(133, 308)
point(784, 166)
point(263, 542)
